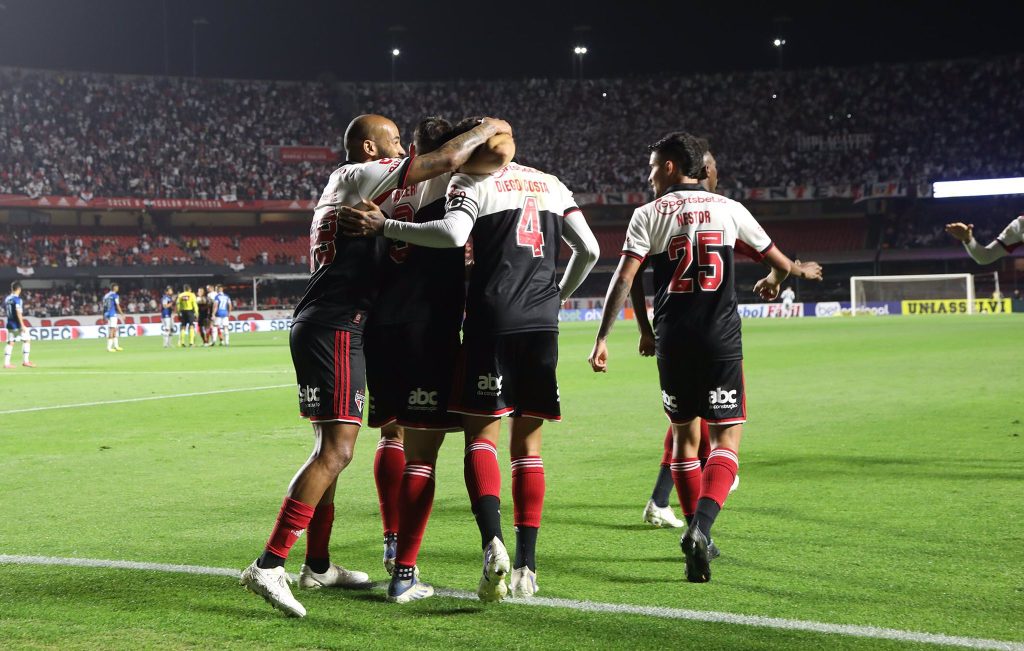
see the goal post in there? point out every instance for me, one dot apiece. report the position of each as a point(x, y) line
point(257, 280)
point(867, 289)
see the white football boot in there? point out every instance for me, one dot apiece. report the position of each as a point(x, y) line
point(735, 484)
point(272, 585)
point(496, 566)
point(523, 583)
point(657, 516)
point(335, 577)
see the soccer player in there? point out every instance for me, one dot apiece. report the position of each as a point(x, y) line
point(204, 307)
point(16, 328)
point(412, 342)
point(327, 344)
point(221, 316)
point(517, 217)
point(187, 309)
point(690, 236)
point(1011, 238)
point(788, 296)
point(111, 310)
point(167, 314)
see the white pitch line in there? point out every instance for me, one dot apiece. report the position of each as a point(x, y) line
point(167, 397)
point(757, 621)
point(56, 371)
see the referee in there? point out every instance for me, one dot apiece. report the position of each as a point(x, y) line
point(187, 309)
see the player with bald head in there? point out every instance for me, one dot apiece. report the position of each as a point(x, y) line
point(327, 344)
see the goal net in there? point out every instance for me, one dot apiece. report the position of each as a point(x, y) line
point(880, 289)
point(277, 291)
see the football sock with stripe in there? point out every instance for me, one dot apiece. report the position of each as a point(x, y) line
point(527, 505)
point(292, 520)
point(8, 351)
point(318, 538)
point(716, 480)
point(416, 499)
point(388, 466)
point(686, 476)
point(663, 485)
point(25, 348)
point(483, 483)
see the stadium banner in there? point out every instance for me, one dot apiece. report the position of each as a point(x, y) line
point(136, 203)
point(301, 154)
point(843, 308)
point(856, 192)
point(769, 310)
point(143, 319)
point(958, 306)
point(68, 332)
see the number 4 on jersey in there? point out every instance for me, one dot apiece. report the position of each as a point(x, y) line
point(528, 232)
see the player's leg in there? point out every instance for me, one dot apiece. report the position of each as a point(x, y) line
point(416, 499)
point(722, 400)
point(26, 347)
point(483, 482)
point(658, 512)
point(686, 470)
point(528, 488)
point(388, 467)
point(318, 571)
point(226, 330)
point(9, 348)
point(192, 332)
point(111, 333)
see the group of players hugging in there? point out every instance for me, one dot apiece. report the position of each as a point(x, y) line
point(388, 299)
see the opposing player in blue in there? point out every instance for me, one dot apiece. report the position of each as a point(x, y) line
point(221, 316)
point(16, 328)
point(167, 315)
point(111, 310)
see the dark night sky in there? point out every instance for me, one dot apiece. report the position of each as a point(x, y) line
point(301, 39)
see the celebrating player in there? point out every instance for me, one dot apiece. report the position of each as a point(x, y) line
point(516, 217)
point(111, 310)
point(327, 348)
point(167, 315)
point(16, 328)
point(690, 236)
point(1011, 238)
point(221, 317)
point(187, 308)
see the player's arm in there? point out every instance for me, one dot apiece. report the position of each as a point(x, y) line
point(980, 254)
point(453, 154)
point(618, 289)
point(643, 322)
point(585, 251)
point(117, 305)
point(806, 270)
point(768, 287)
point(493, 155)
point(21, 319)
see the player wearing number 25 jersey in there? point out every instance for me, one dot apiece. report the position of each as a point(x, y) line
point(689, 236)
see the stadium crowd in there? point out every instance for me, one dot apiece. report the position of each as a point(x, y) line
point(73, 134)
point(100, 135)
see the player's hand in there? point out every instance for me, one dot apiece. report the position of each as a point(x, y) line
point(766, 289)
point(599, 357)
point(961, 231)
point(354, 222)
point(500, 126)
point(646, 347)
point(808, 270)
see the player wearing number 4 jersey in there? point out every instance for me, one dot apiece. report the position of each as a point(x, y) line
point(326, 345)
point(517, 217)
point(690, 235)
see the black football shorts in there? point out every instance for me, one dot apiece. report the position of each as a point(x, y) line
point(508, 375)
point(712, 390)
point(409, 369)
point(330, 372)
point(188, 317)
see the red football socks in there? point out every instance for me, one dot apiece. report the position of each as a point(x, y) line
point(388, 465)
point(416, 499)
point(686, 475)
point(292, 520)
point(318, 536)
point(527, 490)
point(719, 473)
point(483, 477)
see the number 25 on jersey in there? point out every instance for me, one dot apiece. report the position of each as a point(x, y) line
point(710, 265)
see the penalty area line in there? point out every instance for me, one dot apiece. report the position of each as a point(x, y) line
point(126, 400)
point(756, 621)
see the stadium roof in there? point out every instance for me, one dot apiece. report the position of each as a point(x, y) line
point(303, 39)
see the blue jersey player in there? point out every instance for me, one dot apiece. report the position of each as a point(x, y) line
point(111, 311)
point(221, 316)
point(16, 328)
point(167, 315)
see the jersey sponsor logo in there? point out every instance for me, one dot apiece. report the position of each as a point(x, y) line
point(420, 398)
point(489, 385)
point(309, 396)
point(722, 398)
point(670, 402)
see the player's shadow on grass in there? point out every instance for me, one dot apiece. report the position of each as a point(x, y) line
point(431, 608)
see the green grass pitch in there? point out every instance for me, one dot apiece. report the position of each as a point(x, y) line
point(882, 485)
